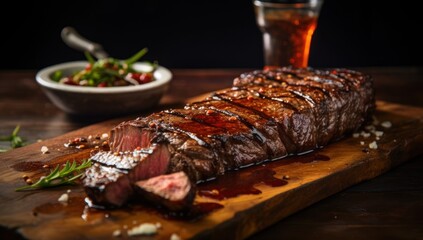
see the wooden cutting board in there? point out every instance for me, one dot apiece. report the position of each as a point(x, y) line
point(282, 187)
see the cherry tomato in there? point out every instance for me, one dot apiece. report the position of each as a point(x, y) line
point(102, 84)
point(141, 77)
point(144, 78)
point(88, 67)
point(69, 81)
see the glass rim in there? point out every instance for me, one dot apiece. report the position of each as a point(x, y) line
point(315, 4)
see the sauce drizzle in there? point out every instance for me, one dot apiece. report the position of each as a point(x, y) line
point(232, 185)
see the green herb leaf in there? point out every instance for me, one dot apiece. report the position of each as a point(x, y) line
point(89, 57)
point(57, 75)
point(15, 140)
point(136, 57)
point(59, 177)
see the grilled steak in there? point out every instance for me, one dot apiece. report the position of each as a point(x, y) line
point(267, 115)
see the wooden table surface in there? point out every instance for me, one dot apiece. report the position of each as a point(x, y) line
point(387, 207)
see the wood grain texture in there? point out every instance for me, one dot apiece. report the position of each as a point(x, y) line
point(38, 214)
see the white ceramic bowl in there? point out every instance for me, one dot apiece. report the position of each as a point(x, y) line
point(83, 100)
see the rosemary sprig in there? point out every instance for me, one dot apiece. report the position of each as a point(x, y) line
point(15, 140)
point(58, 177)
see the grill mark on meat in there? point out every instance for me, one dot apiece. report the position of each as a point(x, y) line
point(221, 97)
point(256, 133)
point(344, 75)
point(261, 95)
point(233, 141)
point(282, 81)
point(305, 97)
point(192, 135)
point(341, 82)
point(286, 139)
point(291, 78)
point(296, 93)
point(304, 94)
point(266, 125)
point(188, 128)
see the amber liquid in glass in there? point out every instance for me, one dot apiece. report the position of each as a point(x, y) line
point(287, 38)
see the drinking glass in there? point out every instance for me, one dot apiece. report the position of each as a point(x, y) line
point(287, 27)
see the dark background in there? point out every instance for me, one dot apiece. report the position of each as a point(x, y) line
point(206, 34)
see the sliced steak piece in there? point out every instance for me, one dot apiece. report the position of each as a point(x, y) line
point(267, 115)
point(173, 191)
point(109, 181)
